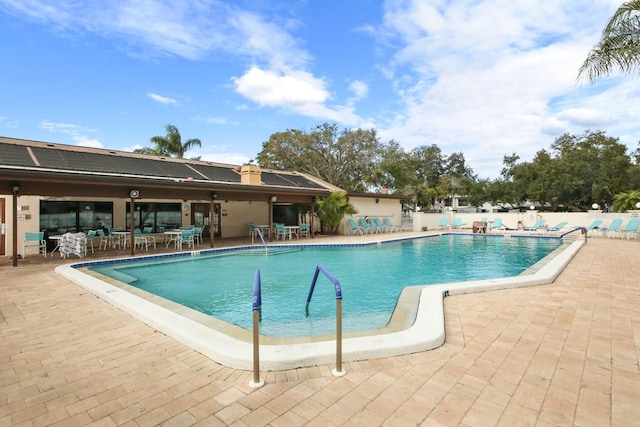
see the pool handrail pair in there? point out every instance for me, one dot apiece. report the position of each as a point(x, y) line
point(256, 306)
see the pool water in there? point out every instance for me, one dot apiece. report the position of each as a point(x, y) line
point(371, 278)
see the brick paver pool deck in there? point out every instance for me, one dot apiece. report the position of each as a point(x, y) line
point(554, 355)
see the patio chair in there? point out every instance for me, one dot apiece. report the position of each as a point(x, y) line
point(197, 234)
point(614, 228)
point(594, 227)
point(365, 226)
point(559, 226)
point(91, 234)
point(444, 223)
point(537, 226)
point(187, 237)
point(377, 225)
point(147, 233)
point(497, 224)
point(355, 228)
point(305, 230)
point(103, 239)
point(632, 229)
point(390, 225)
point(280, 231)
point(139, 240)
point(458, 224)
point(34, 240)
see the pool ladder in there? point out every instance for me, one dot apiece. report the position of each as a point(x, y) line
point(256, 307)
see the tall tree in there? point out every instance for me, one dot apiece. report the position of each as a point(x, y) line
point(619, 46)
point(344, 158)
point(170, 145)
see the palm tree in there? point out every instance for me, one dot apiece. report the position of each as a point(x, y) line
point(619, 46)
point(332, 208)
point(170, 145)
point(626, 201)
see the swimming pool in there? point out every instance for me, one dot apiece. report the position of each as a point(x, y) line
point(371, 277)
point(417, 324)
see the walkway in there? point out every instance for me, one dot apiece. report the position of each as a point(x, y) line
point(554, 355)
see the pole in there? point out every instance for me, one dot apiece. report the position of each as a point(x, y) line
point(15, 226)
point(132, 237)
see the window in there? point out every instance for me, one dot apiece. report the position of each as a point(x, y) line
point(160, 216)
point(59, 217)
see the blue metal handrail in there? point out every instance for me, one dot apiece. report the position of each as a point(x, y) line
point(583, 229)
point(320, 268)
point(332, 279)
point(257, 294)
point(256, 306)
point(259, 233)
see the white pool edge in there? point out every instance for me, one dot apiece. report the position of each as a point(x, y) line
point(427, 332)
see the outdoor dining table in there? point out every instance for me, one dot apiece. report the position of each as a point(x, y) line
point(123, 236)
point(173, 236)
point(57, 240)
point(290, 230)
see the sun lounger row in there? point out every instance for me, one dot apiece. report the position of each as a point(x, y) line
point(372, 226)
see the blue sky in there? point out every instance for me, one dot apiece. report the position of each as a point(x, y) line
point(487, 78)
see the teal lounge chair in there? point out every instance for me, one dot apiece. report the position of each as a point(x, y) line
point(614, 228)
point(377, 225)
point(444, 223)
point(558, 226)
point(457, 223)
point(593, 229)
point(632, 229)
point(355, 228)
point(535, 227)
point(365, 226)
point(496, 224)
point(390, 225)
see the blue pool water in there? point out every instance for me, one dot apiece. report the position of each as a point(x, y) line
point(371, 278)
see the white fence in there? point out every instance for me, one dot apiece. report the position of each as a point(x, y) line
point(430, 221)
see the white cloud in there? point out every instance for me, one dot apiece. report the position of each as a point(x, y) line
point(85, 141)
point(161, 99)
point(490, 78)
point(359, 90)
point(266, 87)
point(77, 133)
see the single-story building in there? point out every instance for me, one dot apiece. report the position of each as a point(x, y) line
point(55, 188)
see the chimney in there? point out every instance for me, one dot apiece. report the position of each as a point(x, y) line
point(250, 175)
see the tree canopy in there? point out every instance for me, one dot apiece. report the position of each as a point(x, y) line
point(344, 158)
point(577, 171)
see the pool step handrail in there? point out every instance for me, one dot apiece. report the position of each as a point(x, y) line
point(256, 307)
point(583, 229)
point(338, 371)
point(259, 233)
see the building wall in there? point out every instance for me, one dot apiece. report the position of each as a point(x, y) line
point(368, 207)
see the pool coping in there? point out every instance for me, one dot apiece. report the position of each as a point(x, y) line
point(427, 331)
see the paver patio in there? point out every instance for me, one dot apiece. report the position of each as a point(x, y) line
point(553, 355)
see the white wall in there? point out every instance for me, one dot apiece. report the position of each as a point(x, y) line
point(430, 221)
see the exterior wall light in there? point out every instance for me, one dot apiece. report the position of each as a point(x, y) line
point(274, 199)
